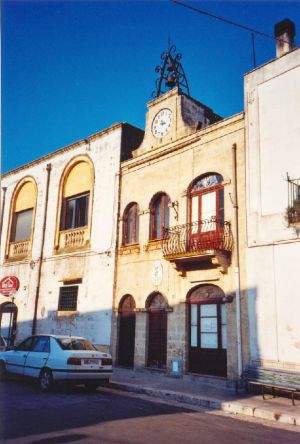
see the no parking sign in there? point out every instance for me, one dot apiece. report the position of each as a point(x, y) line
point(9, 285)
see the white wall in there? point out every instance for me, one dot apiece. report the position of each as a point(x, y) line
point(96, 267)
point(272, 106)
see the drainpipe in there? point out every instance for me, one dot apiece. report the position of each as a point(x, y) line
point(2, 210)
point(37, 294)
point(115, 317)
point(237, 264)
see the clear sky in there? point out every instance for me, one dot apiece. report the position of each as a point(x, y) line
point(71, 68)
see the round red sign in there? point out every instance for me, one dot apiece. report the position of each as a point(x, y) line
point(9, 285)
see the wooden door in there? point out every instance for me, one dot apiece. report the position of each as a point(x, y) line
point(157, 339)
point(126, 333)
point(208, 338)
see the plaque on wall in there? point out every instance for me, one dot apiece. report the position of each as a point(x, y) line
point(157, 273)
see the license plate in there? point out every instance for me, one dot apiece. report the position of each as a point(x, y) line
point(91, 361)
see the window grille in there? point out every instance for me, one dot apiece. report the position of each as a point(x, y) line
point(68, 298)
point(293, 210)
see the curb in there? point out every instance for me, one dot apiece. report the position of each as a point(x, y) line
point(233, 407)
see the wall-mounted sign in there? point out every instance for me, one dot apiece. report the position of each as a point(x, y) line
point(9, 285)
point(157, 273)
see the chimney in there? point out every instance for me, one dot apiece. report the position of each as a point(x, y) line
point(284, 33)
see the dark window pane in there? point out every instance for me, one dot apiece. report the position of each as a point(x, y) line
point(166, 212)
point(70, 213)
point(221, 204)
point(42, 345)
point(26, 345)
point(22, 224)
point(76, 212)
point(158, 220)
point(160, 216)
point(131, 225)
point(68, 298)
point(136, 239)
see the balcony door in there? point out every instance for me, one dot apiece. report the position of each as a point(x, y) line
point(206, 212)
point(208, 331)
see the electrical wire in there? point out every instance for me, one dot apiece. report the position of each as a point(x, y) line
point(229, 22)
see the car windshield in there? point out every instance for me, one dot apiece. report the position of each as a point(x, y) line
point(75, 344)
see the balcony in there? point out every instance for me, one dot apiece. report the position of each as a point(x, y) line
point(191, 244)
point(19, 250)
point(74, 239)
point(293, 209)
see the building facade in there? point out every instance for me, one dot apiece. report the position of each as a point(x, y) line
point(59, 219)
point(178, 272)
point(272, 99)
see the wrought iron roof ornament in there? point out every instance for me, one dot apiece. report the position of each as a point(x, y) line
point(171, 72)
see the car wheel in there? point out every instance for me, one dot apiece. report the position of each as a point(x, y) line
point(46, 380)
point(2, 371)
point(91, 386)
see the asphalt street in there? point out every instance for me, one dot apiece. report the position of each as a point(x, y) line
point(108, 416)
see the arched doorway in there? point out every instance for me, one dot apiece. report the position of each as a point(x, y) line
point(207, 331)
point(157, 331)
point(8, 322)
point(126, 331)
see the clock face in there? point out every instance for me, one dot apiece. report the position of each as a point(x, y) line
point(162, 123)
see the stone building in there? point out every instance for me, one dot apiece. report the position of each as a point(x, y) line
point(58, 234)
point(178, 304)
point(272, 104)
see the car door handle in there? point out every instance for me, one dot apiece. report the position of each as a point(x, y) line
point(24, 356)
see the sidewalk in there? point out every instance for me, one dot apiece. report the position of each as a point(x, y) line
point(211, 393)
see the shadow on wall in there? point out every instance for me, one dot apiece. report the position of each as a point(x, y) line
point(93, 325)
point(96, 326)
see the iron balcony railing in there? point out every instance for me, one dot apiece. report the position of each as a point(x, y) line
point(197, 238)
point(293, 210)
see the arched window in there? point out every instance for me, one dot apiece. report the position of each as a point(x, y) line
point(207, 198)
point(159, 215)
point(206, 204)
point(75, 208)
point(23, 210)
point(131, 224)
point(76, 195)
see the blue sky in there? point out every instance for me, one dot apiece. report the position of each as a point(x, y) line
point(71, 68)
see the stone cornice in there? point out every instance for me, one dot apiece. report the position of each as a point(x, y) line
point(171, 147)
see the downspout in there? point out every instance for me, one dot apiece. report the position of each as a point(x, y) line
point(115, 320)
point(37, 294)
point(237, 264)
point(2, 210)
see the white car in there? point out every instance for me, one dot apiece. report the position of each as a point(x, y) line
point(57, 359)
